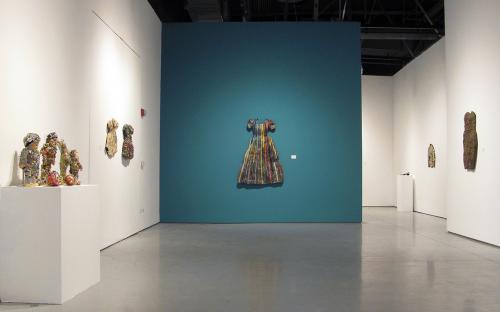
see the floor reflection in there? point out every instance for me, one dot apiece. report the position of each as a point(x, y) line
point(392, 262)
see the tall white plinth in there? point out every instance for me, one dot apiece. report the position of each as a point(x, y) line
point(405, 193)
point(49, 243)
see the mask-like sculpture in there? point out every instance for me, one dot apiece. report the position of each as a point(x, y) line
point(29, 161)
point(111, 147)
point(470, 141)
point(64, 159)
point(128, 146)
point(48, 151)
point(431, 157)
point(75, 166)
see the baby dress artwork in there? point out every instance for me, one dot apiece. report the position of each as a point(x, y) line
point(261, 162)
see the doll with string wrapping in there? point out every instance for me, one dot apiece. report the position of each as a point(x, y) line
point(75, 166)
point(29, 161)
point(49, 152)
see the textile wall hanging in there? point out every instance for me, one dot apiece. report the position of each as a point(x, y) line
point(261, 162)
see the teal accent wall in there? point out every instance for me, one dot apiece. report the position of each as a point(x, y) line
point(304, 76)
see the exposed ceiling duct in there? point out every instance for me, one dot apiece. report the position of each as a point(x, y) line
point(393, 32)
point(204, 10)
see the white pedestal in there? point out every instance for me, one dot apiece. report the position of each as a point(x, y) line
point(49, 243)
point(405, 193)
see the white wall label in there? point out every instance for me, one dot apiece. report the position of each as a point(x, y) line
point(293, 156)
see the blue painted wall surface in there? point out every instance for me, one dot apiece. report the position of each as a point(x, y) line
point(304, 76)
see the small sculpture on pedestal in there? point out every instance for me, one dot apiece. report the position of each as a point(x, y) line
point(128, 145)
point(75, 166)
point(111, 139)
point(29, 161)
point(69, 180)
point(48, 151)
point(53, 179)
point(64, 159)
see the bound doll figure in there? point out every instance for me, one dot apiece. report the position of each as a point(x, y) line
point(75, 166)
point(29, 161)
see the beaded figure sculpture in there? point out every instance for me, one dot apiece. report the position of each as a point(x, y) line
point(261, 163)
point(128, 145)
point(48, 151)
point(75, 166)
point(29, 161)
point(431, 157)
point(64, 159)
point(111, 139)
point(470, 141)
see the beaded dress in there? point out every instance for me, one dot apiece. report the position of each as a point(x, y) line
point(261, 162)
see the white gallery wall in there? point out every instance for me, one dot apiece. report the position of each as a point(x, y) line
point(472, 65)
point(63, 69)
point(377, 112)
point(419, 120)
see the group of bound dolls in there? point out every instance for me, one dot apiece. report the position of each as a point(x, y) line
point(29, 162)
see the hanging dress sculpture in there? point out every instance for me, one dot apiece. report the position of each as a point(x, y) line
point(261, 164)
point(470, 141)
point(431, 157)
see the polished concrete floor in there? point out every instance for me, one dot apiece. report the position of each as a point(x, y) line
point(392, 262)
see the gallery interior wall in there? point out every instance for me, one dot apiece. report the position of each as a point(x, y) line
point(304, 76)
point(472, 67)
point(63, 70)
point(379, 188)
point(420, 118)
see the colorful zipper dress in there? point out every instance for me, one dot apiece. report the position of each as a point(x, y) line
point(261, 164)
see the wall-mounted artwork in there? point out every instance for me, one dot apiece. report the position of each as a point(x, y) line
point(111, 139)
point(470, 141)
point(431, 157)
point(261, 162)
point(29, 161)
point(128, 145)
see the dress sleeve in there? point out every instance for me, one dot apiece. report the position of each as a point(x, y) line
point(271, 126)
point(250, 124)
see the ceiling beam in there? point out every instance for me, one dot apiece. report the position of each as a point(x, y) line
point(427, 17)
point(438, 7)
point(380, 52)
point(399, 36)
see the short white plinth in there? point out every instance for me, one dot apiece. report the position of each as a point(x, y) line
point(49, 243)
point(405, 193)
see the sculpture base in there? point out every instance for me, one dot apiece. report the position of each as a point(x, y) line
point(49, 243)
